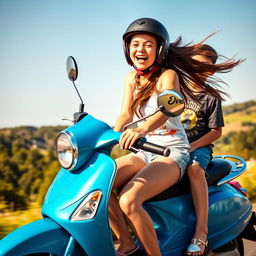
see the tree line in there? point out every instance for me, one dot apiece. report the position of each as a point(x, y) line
point(28, 164)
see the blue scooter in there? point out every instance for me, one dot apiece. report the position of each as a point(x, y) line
point(75, 210)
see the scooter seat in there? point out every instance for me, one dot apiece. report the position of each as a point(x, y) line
point(216, 170)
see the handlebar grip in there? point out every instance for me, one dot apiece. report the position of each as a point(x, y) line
point(151, 147)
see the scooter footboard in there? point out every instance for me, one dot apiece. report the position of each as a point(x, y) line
point(42, 236)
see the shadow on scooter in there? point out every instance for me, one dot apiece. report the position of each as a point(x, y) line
point(75, 210)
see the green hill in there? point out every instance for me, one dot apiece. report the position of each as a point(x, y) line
point(239, 117)
point(238, 107)
point(239, 133)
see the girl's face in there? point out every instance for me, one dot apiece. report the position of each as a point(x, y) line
point(143, 50)
point(206, 60)
point(203, 59)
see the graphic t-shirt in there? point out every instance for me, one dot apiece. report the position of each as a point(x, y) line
point(199, 118)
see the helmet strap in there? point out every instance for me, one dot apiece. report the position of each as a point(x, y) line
point(152, 69)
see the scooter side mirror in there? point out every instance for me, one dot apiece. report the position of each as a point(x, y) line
point(72, 69)
point(72, 72)
point(171, 103)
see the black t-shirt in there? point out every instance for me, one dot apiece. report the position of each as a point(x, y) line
point(199, 118)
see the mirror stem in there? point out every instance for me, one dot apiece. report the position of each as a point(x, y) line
point(81, 108)
point(160, 108)
point(141, 119)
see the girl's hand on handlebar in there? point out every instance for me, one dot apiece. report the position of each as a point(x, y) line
point(129, 136)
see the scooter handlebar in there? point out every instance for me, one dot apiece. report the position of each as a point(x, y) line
point(151, 147)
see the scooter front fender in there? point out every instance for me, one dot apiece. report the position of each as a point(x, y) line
point(36, 237)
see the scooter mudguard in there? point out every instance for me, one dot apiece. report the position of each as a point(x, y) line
point(42, 236)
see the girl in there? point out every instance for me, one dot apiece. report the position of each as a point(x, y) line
point(158, 66)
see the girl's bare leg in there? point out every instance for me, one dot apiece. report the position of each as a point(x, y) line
point(199, 191)
point(119, 225)
point(150, 181)
point(127, 167)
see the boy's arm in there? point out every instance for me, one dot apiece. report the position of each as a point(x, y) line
point(207, 139)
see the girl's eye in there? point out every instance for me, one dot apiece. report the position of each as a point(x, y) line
point(134, 45)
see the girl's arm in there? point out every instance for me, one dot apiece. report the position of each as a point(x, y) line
point(167, 80)
point(125, 115)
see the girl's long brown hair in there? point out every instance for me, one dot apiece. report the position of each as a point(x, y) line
point(179, 59)
point(143, 92)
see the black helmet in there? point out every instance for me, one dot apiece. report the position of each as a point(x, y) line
point(152, 27)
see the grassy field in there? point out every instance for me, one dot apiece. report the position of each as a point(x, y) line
point(12, 220)
point(239, 121)
point(247, 115)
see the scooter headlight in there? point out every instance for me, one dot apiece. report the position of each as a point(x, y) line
point(66, 151)
point(88, 208)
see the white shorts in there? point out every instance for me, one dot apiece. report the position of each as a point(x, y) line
point(180, 155)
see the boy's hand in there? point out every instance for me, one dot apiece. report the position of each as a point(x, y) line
point(193, 147)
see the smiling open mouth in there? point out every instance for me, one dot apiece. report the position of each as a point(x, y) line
point(141, 59)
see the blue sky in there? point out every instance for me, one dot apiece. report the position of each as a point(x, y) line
point(38, 36)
